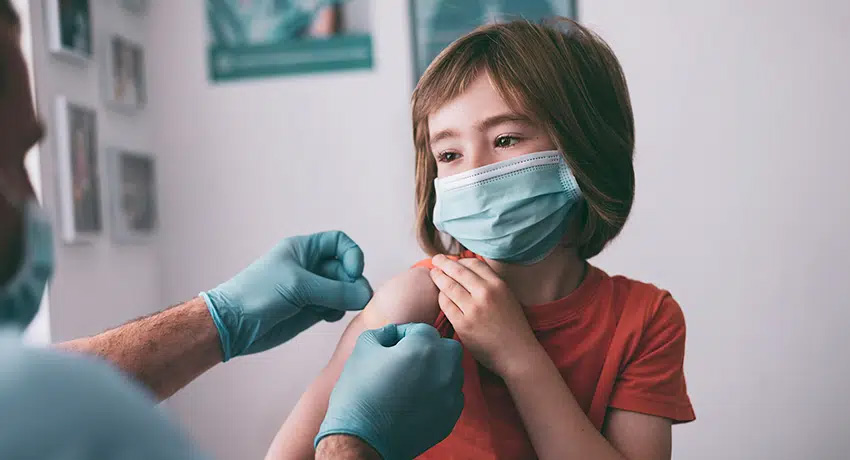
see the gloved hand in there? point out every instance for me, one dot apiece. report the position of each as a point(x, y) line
point(400, 391)
point(301, 281)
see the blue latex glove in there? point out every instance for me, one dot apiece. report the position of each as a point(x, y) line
point(301, 281)
point(400, 391)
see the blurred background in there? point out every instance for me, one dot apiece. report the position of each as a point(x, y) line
point(260, 129)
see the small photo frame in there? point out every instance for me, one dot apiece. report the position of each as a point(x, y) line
point(132, 193)
point(125, 75)
point(78, 173)
point(135, 6)
point(69, 29)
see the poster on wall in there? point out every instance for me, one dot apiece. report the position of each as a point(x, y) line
point(69, 29)
point(132, 193)
point(266, 38)
point(125, 81)
point(437, 23)
point(77, 164)
point(135, 6)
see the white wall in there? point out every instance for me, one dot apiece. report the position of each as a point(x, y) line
point(742, 211)
point(742, 206)
point(245, 164)
point(99, 285)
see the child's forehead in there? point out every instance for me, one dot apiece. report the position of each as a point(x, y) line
point(479, 101)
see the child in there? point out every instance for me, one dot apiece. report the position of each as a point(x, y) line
point(524, 139)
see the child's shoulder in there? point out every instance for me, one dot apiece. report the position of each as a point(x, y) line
point(410, 296)
point(645, 302)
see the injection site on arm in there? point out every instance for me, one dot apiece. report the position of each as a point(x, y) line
point(408, 297)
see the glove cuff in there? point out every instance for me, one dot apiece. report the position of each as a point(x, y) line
point(223, 333)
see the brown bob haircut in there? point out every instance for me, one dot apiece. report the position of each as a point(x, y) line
point(562, 76)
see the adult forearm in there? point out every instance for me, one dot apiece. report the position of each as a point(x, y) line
point(556, 424)
point(343, 447)
point(164, 351)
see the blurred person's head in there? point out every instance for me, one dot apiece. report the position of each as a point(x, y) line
point(25, 240)
point(506, 90)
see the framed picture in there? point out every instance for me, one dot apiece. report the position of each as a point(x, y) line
point(267, 38)
point(132, 193)
point(437, 23)
point(125, 74)
point(135, 6)
point(69, 29)
point(77, 167)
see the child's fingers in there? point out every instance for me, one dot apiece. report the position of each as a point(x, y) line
point(466, 277)
point(453, 313)
point(481, 269)
point(450, 287)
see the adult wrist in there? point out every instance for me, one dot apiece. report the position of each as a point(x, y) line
point(222, 334)
point(198, 308)
point(345, 447)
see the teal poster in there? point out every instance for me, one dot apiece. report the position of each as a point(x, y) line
point(266, 38)
point(437, 23)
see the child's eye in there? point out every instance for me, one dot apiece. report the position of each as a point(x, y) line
point(506, 141)
point(447, 157)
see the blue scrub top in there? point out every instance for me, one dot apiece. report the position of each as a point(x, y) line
point(59, 405)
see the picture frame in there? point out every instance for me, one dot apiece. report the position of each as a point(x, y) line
point(135, 6)
point(69, 29)
point(437, 23)
point(125, 87)
point(78, 172)
point(132, 195)
point(250, 40)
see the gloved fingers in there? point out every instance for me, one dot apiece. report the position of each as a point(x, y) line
point(333, 269)
point(418, 330)
point(456, 369)
point(456, 408)
point(338, 295)
point(449, 356)
point(391, 334)
point(328, 314)
point(386, 336)
point(284, 331)
point(453, 347)
point(337, 245)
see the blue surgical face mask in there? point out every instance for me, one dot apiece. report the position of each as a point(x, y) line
point(513, 211)
point(21, 296)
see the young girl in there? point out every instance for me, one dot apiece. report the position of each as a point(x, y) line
point(524, 139)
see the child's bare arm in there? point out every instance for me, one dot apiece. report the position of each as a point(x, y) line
point(409, 297)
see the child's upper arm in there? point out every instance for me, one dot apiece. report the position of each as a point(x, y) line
point(410, 297)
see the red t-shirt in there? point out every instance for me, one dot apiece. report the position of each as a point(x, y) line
point(618, 343)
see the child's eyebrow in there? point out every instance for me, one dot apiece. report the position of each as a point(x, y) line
point(444, 134)
point(484, 125)
point(503, 118)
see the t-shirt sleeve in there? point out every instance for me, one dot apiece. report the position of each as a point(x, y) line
point(425, 263)
point(653, 381)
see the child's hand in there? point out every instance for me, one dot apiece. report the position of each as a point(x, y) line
point(484, 313)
